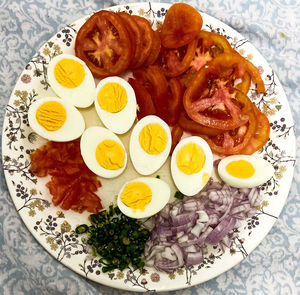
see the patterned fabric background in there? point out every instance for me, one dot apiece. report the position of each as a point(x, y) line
point(271, 26)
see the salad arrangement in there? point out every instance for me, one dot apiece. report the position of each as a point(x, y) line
point(183, 233)
point(183, 73)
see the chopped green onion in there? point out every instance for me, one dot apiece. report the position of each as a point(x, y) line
point(118, 239)
point(179, 195)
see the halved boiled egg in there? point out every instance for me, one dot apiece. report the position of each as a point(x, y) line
point(191, 165)
point(244, 171)
point(71, 80)
point(150, 144)
point(115, 103)
point(143, 197)
point(55, 119)
point(103, 152)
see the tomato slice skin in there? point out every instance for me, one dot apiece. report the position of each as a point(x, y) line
point(181, 25)
point(177, 61)
point(147, 40)
point(143, 98)
point(174, 101)
point(135, 35)
point(103, 43)
point(244, 85)
point(155, 50)
point(211, 38)
point(176, 134)
point(160, 90)
point(261, 134)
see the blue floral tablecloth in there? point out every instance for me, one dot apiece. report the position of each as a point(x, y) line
point(273, 267)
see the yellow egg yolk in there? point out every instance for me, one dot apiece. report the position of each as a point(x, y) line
point(190, 158)
point(112, 97)
point(69, 73)
point(51, 115)
point(136, 195)
point(110, 155)
point(153, 139)
point(240, 169)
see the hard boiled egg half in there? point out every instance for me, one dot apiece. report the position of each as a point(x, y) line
point(115, 103)
point(55, 119)
point(244, 171)
point(103, 152)
point(143, 197)
point(191, 165)
point(150, 144)
point(71, 80)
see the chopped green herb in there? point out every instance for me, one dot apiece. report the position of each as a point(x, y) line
point(179, 195)
point(118, 239)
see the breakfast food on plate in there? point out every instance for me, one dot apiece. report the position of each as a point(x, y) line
point(71, 80)
point(245, 171)
point(72, 185)
point(103, 152)
point(150, 144)
point(182, 77)
point(191, 165)
point(55, 119)
point(143, 197)
point(115, 104)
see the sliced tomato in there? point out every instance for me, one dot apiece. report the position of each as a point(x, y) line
point(255, 75)
point(174, 101)
point(181, 25)
point(244, 85)
point(261, 135)
point(195, 128)
point(154, 80)
point(176, 61)
point(232, 142)
point(143, 99)
point(147, 40)
point(103, 43)
point(210, 102)
point(135, 35)
point(214, 42)
point(154, 53)
point(176, 133)
point(159, 90)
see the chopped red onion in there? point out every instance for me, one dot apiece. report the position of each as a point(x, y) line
point(183, 228)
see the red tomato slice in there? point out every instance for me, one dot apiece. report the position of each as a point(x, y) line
point(143, 99)
point(155, 50)
point(174, 101)
point(261, 135)
point(147, 40)
point(103, 43)
point(233, 142)
point(176, 134)
point(177, 61)
point(209, 102)
point(181, 25)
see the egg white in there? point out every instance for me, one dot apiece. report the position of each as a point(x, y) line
point(160, 197)
point(121, 121)
point(90, 139)
point(263, 171)
point(191, 184)
point(81, 96)
point(143, 162)
point(71, 129)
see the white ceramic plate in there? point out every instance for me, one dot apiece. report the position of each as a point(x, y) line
point(53, 228)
